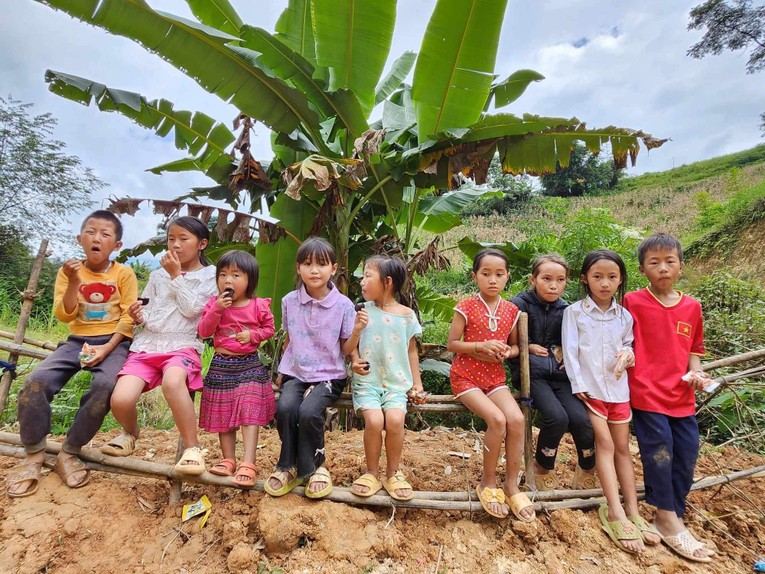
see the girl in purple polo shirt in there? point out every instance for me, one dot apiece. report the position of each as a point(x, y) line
point(318, 320)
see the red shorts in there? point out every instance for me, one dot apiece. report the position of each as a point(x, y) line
point(151, 367)
point(615, 413)
point(462, 385)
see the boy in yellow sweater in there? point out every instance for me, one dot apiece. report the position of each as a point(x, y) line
point(92, 296)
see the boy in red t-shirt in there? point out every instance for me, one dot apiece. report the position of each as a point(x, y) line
point(669, 341)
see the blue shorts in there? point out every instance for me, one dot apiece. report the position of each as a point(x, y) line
point(366, 396)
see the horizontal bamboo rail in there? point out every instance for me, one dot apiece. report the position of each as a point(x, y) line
point(23, 351)
point(455, 501)
point(35, 343)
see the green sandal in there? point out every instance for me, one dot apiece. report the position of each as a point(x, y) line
point(617, 530)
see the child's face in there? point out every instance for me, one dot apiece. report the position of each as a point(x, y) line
point(492, 275)
point(602, 279)
point(98, 239)
point(550, 281)
point(662, 267)
point(185, 245)
point(315, 275)
point(372, 287)
point(233, 278)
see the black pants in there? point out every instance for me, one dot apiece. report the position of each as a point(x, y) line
point(561, 411)
point(49, 377)
point(300, 422)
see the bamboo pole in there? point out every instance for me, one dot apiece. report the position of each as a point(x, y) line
point(727, 361)
point(17, 351)
point(456, 501)
point(725, 380)
point(29, 295)
point(27, 341)
point(523, 341)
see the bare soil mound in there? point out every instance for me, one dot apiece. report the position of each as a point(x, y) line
point(124, 524)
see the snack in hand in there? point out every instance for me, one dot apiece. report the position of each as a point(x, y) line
point(228, 293)
point(621, 366)
point(358, 307)
point(417, 398)
point(144, 301)
point(87, 353)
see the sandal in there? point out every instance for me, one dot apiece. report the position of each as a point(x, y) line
point(122, 445)
point(192, 461)
point(369, 481)
point(66, 467)
point(685, 544)
point(491, 495)
point(618, 531)
point(547, 481)
point(398, 482)
point(288, 480)
point(518, 502)
point(247, 470)
point(584, 480)
point(644, 528)
point(224, 467)
point(321, 475)
point(26, 472)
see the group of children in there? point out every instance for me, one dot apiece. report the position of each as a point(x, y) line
point(590, 362)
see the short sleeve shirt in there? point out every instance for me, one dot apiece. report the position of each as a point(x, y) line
point(665, 338)
point(315, 328)
point(384, 342)
point(481, 324)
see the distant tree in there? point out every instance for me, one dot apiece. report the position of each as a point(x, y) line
point(735, 25)
point(586, 174)
point(40, 185)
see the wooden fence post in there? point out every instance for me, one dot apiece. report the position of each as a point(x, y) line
point(29, 296)
point(523, 341)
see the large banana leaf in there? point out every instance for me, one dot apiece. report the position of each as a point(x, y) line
point(295, 29)
point(512, 87)
point(393, 79)
point(218, 14)
point(455, 65)
point(291, 67)
point(353, 39)
point(201, 53)
point(438, 306)
point(440, 213)
point(195, 132)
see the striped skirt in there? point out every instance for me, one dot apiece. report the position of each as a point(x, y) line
point(237, 391)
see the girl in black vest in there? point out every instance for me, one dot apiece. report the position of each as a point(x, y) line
point(550, 388)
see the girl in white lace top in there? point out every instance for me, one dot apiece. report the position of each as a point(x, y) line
point(165, 350)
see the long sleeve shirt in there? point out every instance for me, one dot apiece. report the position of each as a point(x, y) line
point(591, 340)
point(102, 301)
point(175, 306)
point(223, 325)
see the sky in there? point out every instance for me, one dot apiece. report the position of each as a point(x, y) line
point(607, 62)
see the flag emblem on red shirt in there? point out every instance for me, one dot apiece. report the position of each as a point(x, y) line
point(684, 329)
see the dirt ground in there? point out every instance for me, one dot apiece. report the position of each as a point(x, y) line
point(124, 524)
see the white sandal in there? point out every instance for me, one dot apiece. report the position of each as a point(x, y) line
point(192, 462)
point(685, 544)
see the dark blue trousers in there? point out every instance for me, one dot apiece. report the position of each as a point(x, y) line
point(669, 447)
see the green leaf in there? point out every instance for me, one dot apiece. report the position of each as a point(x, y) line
point(393, 79)
point(294, 28)
point(277, 278)
point(440, 367)
point(218, 14)
point(194, 132)
point(501, 125)
point(438, 306)
point(200, 52)
point(455, 64)
point(512, 87)
point(440, 213)
point(353, 39)
point(520, 257)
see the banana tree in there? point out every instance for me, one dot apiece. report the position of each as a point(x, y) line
point(357, 156)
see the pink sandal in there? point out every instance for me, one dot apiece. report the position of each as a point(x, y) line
point(225, 467)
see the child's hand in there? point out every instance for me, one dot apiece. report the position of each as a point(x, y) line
point(242, 337)
point(278, 381)
point(224, 299)
point(697, 379)
point(624, 360)
point(361, 321)
point(97, 354)
point(491, 348)
point(360, 366)
point(136, 312)
point(538, 350)
point(70, 269)
point(582, 396)
point(171, 264)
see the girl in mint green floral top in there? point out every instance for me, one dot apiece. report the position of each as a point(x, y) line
point(386, 367)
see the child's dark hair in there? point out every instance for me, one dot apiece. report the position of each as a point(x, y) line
point(604, 255)
point(244, 262)
point(659, 241)
point(489, 253)
point(394, 268)
point(549, 258)
point(106, 216)
point(197, 229)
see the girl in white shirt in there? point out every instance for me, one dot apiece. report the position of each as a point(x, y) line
point(597, 349)
point(165, 350)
